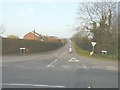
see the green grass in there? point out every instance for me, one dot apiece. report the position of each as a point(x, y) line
point(95, 56)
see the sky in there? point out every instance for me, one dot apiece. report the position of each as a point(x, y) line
point(47, 18)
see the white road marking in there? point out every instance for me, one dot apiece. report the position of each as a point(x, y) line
point(110, 68)
point(51, 63)
point(97, 67)
point(105, 67)
point(84, 66)
point(57, 86)
point(89, 87)
point(62, 54)
point(56, 59)
point(51, 66)
point(35, 85)
point(73, 60)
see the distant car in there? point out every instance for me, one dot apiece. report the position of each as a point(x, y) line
point(70, 50)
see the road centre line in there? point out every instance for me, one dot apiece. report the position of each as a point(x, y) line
point(51, 63)
point(35, 85)
point(84, 66)
point(62, 54)
point(56, 59)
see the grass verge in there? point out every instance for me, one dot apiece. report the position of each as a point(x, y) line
point(95, 56)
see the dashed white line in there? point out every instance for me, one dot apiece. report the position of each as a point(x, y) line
point(35, 85)
point(62, 54)
point(51, 63)
point(56, 59)
point(84, 66)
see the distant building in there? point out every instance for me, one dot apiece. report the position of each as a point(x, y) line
point(36, 36)
point(33, 36)
point(54, 39)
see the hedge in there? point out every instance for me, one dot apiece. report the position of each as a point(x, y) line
point(11, 46)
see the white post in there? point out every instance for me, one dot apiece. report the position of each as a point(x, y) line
point(22, 51)
point(93, 44)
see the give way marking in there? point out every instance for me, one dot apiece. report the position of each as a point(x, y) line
point(73, 60)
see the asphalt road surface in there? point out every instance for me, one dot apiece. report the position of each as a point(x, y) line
point(58, 69)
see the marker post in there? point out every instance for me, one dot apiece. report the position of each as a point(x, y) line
point(93, 44)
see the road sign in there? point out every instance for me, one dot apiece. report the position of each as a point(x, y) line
point(93, 43)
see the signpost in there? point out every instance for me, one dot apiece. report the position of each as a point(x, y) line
point(22, 51)
point(93, 44)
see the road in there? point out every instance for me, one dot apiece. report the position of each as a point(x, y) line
point(58, 69)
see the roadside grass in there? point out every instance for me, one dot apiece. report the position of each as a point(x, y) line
point(95, 56)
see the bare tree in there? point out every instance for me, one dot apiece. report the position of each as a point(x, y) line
point(95, 12)
point(100, 18)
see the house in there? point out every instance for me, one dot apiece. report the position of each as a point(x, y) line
point(54, 39)
point(33, 36)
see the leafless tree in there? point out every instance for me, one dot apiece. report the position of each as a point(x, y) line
point(101, 19)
